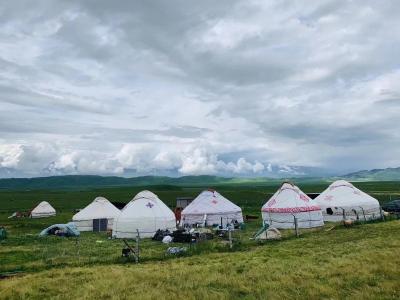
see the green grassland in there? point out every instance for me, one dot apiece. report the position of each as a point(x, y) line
point(360, 262)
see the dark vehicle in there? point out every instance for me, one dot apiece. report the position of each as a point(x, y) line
point(393, 206)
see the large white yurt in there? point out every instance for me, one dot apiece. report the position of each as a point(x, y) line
point(146, 213)
point(43, 210)
point(289, 202)
point(97, 216)
point(342, 200)
point(211, 208)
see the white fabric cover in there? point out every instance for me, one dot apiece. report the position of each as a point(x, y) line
point(147, 213)
point(342, 194)
point(100, 208)
point(290, 201)
point(43, 210)
point(210, 206)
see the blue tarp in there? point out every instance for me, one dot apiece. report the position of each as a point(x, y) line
point(67, 230)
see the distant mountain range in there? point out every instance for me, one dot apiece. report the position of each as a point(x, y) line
point(389, 174)
point(92, 181)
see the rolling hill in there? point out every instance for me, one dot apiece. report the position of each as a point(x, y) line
point(388, 174)
point(92, 181)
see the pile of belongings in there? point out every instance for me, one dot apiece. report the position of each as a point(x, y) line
point(160, 234)
point(223, 231)
point(63, 230)
point(167, 239)
point(182, 236)
point(19, 214)
point(202, 234)
point(176, 250)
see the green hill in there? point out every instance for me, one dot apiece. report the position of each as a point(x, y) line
point(92, 181)
point(389, 174)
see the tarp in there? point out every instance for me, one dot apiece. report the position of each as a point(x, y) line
point(342, 195)
point(212, 208)
point(100, 208)
point(68, 230)
point(146, 213)
point(43, 210)
point(290, 202)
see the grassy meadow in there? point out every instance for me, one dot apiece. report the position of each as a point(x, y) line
point(333, 262)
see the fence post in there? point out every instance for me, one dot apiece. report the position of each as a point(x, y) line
point(365, 218)
point(382, 215)
point(356, 213)
point(137, 246)
point(230, 237)
point(296, 226)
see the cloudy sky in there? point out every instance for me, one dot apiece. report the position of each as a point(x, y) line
point(239, 88)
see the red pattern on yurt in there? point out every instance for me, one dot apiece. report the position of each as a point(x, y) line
point(291, 209)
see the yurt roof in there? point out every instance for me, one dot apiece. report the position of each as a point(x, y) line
point(290, 199)
point(145, 204)
point(343, 193)
point(100, 208)
point(210, 202)
point(43, 206)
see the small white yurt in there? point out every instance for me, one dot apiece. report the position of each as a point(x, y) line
point(289, 202)
point(342, 200)
point(146, 213)
point(97, 216)
point(211, 208)
point(43, 210)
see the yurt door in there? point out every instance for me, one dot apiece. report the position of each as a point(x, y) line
point(100, 225)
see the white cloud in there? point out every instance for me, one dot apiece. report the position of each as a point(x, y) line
point(10, 155)
point(233, 88)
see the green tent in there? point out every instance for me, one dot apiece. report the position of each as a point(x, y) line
point(67, 230)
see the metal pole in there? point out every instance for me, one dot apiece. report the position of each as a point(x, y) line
point(365, 218)
point(356, 213)
point(230, 237)
point(137, 246)
point(296, 227)
point(382, 215)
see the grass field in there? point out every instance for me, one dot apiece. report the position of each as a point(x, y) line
point(359, 262)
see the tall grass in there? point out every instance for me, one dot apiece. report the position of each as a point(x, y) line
point(360, 263)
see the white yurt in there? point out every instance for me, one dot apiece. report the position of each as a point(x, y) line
point(146, 213)
point(211, 208)
point(341, 197)
point(289, 202)
point(43, 210)
point(97, 216)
